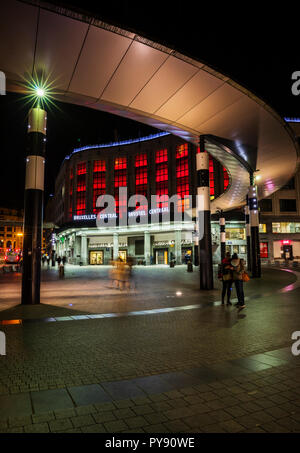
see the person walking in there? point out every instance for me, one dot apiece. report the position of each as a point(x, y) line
point(58, 260)
point(226, 273)
point(238, 269)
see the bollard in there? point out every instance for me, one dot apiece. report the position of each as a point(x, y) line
point(189, 266)
point(61, 271)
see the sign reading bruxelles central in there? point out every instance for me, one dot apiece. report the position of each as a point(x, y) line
point(136, 210)
point(136, 213)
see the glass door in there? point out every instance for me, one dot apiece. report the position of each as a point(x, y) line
point(96, 258)
point(123, 255)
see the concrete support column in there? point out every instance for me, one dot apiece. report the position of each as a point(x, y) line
point(203, 211)
point(254, 226)
point(222, 235)
point(178, 246)
point(116, 246)
point(84, 250)
point(248, 234)
point(33, 206)
point(147, 247)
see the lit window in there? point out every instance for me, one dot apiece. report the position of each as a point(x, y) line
point(182, 179)
point(99, 165)
point(81, 168)
point(236, 233)
point(81, 188)
point(120, 163)
point(99, 183)
point(285, 227)
point(162, 172)
point(211, 179)
point(141, 160)
point(161, 156)
point(181, 151)
point(262, 228)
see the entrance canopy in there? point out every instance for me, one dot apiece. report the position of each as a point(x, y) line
point(106, 68)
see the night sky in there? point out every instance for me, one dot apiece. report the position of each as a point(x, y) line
point(257, 48)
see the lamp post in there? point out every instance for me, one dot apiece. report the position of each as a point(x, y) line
point(33, 203)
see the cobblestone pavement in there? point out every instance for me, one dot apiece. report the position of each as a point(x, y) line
point(201, 369)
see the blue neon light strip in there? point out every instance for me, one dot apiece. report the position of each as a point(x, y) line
point(123, 142)
point(292, 120)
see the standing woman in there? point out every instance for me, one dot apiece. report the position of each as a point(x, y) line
point(238, 269)
point(226, 279)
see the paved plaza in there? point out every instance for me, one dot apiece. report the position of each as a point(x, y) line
point(160, 357)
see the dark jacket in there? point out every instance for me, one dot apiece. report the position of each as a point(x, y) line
point(225, 269)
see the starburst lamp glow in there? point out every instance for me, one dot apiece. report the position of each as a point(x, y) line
point(40, 92)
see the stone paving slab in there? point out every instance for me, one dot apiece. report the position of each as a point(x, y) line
point(88, 394)
point(51, 400)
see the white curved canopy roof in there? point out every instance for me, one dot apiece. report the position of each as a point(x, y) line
point(106, 68)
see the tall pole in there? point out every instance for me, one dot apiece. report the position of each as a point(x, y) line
point(248, 234)
point(254, 226)
point(203, 206)
point(33, 206)
point(222, 235)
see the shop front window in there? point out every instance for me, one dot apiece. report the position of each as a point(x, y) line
point(236, 233)
point(285, 227)
point(262, 228)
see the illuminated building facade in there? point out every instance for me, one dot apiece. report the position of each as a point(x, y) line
point(161, 165)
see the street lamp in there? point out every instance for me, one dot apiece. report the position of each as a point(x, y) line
point(34, 196)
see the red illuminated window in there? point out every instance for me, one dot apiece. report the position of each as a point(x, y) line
point(99, 165)
point(141, 179)
point(81, 183)
point(182, 176)
point(141, 176)
point(141, 160)
point(99, 183)
point(80, 205)
point(120, 181)
point(161, 159)
point(120, 178)
point(226, 178)
point(181, 151)
point(120, 163)
point(162, 193)
point(211, 179)
point(81, 188)
point(81, 168)
point(263, 246)
point(161, 156)
point(71, 194)
point(182, 168)
point(162, 172)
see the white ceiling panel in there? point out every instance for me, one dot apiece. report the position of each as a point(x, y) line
point(243, 115)
point(17, 19)
point(101, 54)
point(137, 67)
point(192, 93)
point(59, 42)
point(211, 106)
point(171, 77)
